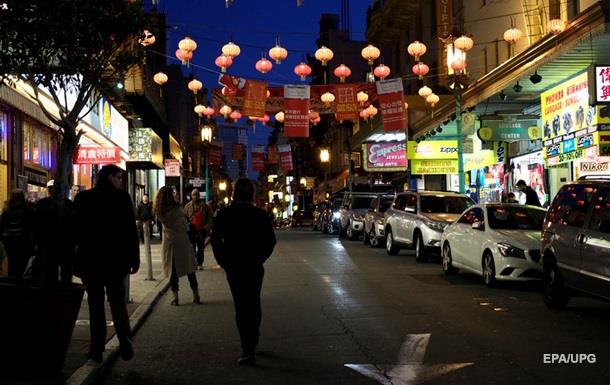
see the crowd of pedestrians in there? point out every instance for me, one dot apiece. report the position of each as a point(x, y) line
point(95, 236)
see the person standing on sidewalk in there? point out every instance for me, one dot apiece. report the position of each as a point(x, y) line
point(144, 216)
point(242, 240)
point(17, 233)
point(107, 252)
point(200, 217)
point(178, 254)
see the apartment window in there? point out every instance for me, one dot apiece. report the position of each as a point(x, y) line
point(554, 9)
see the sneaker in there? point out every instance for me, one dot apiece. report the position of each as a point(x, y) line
point(246, 360)
point(95, 357)
point(126, 350)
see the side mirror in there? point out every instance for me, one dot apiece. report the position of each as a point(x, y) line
point(479, 226)
point(410, 209)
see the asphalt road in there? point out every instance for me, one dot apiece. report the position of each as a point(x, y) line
point(337, 312)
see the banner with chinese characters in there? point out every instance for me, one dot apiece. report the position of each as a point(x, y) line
point(258, 158)
point(392, 104)
point(255, 99)
point(346, 102)
point(296, 111)
point(273, 156)
point(97, 155)
point(285, 157)
point(215, 154)
point(237, 151)
point(231, 85)
point(385, 156)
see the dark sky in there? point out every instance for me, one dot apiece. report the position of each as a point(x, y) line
point(253, 25)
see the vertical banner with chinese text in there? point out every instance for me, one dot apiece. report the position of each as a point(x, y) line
point(258, 158)
point(273, 157)
point(215, 154)
point(392, 104)
point(255, 97)
point(347, 104)
point(296, 111)
point(237, 151)
point(285, 157)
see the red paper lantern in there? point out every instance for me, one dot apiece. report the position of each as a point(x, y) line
point(382, 71)
point(458, 65)
point(223, 62)
point(302, 70)
point(235, 115)
point(420, 69)
point(209, 112)
point(184, 56)
point(263, 66)
point(342, 72)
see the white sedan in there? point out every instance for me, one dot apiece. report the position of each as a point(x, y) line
point(497, 241)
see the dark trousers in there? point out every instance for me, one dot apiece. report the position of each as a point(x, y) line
point(18, 256)
point(246, 290)
point(199, 245)
point(174, 279)
point(115, 291)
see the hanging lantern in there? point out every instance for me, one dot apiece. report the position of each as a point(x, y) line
point(458, 65)
point(265, 119)
point(231, 50)
point(279, 117)
point(420, 69)
point(432, 99)
point(382, 71)
point(463, 43)
point(327, 98)
point(364, 115)
point(324, 55)
point(199, 109)
point(512, 35)
point(225, 111)
point(278, 54)
point(206, 134)
point(160, 78)
point(416, 49)
point(187, 44)
point(371, 110)
point(362, 97)
point(195, 85)
point(424, 92)
point(370, 53)
point(556, 26)
point(224, 62)
point(184, 56)
point(263, 66)
point(209, 112)
point(302, 70)
point(235, 115)
point(342, 72)
point(147, 38)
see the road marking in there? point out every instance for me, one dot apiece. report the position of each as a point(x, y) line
point(409, 368)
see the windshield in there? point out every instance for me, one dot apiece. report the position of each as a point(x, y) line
point(444, 204)
point(385, 204)
point(336, 203)
point(361, 202)
point(515, 218)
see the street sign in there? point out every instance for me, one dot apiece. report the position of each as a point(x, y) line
point(197, 182)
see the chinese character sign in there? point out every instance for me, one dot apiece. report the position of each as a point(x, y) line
point(97, 155)
point(258, 158)
point(392, 104)
point(602, 84)
point(296, 111)
point(237, 151)
point(347, 104)
point(255, 99)
point(285, 157)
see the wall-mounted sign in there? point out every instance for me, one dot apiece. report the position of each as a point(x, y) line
point(145, 146)
point(385, 156)
point(97, 155)
point(432, 149)
point(432, 167)
point(507, 134)
point(172, 167)
point(599, 79)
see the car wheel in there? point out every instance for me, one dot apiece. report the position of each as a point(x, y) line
point(556, 295)
point(390, 247)
point(365, 237)
point(420, 251)
point(373, 240)
point(351, 234)
point(489, 270)
point(448, 268)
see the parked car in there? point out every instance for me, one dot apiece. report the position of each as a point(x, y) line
point(499, 241)
point(374, 221)
point(353, 208)
point(417, 219)
point(575, 242)
point(330, 215)
point(317, 215)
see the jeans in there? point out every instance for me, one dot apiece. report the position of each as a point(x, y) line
point(246, 290)
point(173, 280)
point(198, 246)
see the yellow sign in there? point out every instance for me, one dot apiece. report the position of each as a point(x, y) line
point(432, 149)
point(429, 167)
point(479, 159)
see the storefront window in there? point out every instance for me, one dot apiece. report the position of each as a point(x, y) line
point(37, 145)
point(3, 137)
point(529, 168)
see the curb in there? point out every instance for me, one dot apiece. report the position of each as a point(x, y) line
point(91, 371)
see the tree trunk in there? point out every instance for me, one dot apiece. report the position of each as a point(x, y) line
point(67, 146)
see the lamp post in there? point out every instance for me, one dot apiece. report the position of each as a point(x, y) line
point(325, 160)
point(206, 139)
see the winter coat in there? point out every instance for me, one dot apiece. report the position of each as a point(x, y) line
point(145, 212)
point(177, 247)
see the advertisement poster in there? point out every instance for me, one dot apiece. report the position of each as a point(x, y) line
point(392, 104)
point(285, 157)
point(258, 158)
point(296, 111)
point(347, 104)
point(385, 156)
point(254, 99)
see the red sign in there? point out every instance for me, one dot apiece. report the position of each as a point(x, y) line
point(258, 158)
point(273, 156)
point(215, 154)
point(237, 151)
point(172, 167)
point(231, 85)
point(392, 104)
point(97, 155)
point(296, 111)
point(385, 156)
point(285, 157)
point(347, 104)
point(255, 99)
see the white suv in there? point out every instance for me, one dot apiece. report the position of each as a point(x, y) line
point(417, 219)
point(353, 208)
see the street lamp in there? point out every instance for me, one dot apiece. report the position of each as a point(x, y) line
point(222, 186)
point(206, 139)
point(324, 155)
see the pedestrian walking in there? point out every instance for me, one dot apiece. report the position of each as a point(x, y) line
point(531, 197)
point(178, 253)
point(242, 240)
point(144, 216)
point(107, 252)
point(200, 217)
point(17, 233)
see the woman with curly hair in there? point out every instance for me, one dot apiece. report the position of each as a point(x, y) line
point(178, 253)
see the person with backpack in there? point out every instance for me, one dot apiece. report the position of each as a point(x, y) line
point(200, 218)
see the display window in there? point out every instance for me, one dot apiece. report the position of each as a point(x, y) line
point(38, 145)
point(529, 168)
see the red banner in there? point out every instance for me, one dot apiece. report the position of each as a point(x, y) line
point(258, 158)
point(273, 156)
point(296, 111)
point(97, 155)
point(285, 157)
point(237, 151)
point(255, 99)
point(347, 104)
point(215, 154)
point(392, 104)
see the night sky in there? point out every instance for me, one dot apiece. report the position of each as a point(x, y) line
point(254, 26)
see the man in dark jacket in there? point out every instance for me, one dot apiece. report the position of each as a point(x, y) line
point(531, 197)
point(242, 240)
point(107, 251)
point(144, 216)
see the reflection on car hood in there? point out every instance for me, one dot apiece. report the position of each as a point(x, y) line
point(441, 217)
point(523, 239)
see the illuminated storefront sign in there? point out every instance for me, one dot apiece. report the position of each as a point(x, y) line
point(385, 156)
point(432, 149)
point(431, 167)
point(97, 155)
point(440, 157)
point(145, 146)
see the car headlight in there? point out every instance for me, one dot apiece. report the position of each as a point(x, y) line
point(439, 226)
point(337, 215)
point(510, 251)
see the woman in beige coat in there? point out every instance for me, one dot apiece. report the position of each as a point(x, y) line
point(178, 253)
